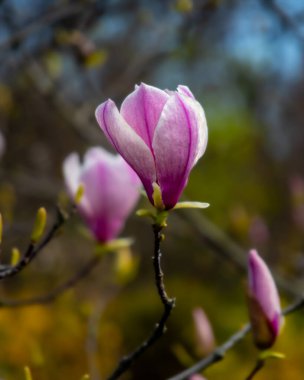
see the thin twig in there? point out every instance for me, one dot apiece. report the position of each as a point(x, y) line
point(52, 295)
point(33, 249)
point(219, 353)
point(258, 366)
point(168, 304)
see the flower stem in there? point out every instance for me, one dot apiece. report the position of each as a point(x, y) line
point(168, 304)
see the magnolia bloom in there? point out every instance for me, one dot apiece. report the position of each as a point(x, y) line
point(263, 302)
point(161, 134)
point(111, 190)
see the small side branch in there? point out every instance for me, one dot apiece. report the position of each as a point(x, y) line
point(33, 249)
point(168, 304)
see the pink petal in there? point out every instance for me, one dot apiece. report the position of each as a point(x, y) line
point(130, 145)
point(262, 285)
point(185, 90)
point(71, 172)
point(179, 140)
point(142, 109)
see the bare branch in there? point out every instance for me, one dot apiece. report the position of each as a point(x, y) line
point(33, 249)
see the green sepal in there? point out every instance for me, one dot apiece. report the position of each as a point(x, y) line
point(112, 246)
point(146, 213)
point(189, 204)
point(264, 355)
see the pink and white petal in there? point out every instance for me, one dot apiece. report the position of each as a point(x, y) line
point(262, 285)
point(185, 90)
point(71, 172)
point(175, 146)
point(142, 109)
point(201, 120)
point(131, 147)
point(202, 132)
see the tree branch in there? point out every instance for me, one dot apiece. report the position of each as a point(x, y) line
point(168, 304)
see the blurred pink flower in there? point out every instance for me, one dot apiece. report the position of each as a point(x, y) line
point(263, 301)
point(197, 377)
point(161, 134)
point(203, 330)
point(111, 190)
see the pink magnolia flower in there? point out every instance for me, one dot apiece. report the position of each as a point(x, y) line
point(263, 302)
point(111, 190)
point(161, 134)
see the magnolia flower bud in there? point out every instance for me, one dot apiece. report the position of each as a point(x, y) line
point(263, 302)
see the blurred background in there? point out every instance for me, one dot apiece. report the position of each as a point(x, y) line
point(243, 60)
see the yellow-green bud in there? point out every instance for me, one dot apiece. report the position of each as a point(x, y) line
point(15, 257)
point(27, 373)
point(39, 225)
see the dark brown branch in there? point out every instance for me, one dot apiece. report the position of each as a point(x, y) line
point(219, 353)
point(52, 295)
point(33, 249)
point(168, 304)
point(258, 366)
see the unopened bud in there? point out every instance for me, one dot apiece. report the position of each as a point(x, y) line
point(263, 303)
point(126, 265)
point(39, 225)
point(15, 257)
point(27, 373)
